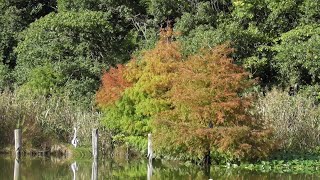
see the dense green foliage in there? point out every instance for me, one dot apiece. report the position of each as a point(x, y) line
point(15, 16)
point(263, 34)
point(76, 46)
point(297, 55)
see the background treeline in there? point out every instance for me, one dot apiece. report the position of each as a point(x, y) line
point(57, 51)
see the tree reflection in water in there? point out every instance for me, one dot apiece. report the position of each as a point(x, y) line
point(44, 168)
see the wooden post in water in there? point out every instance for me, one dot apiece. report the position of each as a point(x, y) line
point(95, 137)
point(74, 169)
point(17, 143)
point(16, 173)
point(150, 151)
point(94, 173)
point(150, 170)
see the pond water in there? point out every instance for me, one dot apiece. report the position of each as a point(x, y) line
point(56, 169)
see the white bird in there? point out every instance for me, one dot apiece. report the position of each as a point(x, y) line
point(75, 140)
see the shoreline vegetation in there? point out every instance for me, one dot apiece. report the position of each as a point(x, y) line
point(294, 160)
point(228, 83)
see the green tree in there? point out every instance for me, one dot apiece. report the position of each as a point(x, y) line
point(77, 45)
point(163, 10)
point(297, 55)
point(16, 16)
point(124, 14)
point(271, 16)
point(277, 20)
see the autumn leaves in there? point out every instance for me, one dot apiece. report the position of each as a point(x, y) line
point(192, 104)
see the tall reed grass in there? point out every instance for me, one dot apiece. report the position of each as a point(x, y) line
point(44, 120)
point(295, 120)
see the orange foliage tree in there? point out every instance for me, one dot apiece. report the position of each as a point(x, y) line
point(195, 106)
point(209, 112)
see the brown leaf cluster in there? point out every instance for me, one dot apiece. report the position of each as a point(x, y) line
point(113, 84)
point(210, 110)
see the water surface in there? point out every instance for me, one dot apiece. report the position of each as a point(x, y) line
point(56, 169)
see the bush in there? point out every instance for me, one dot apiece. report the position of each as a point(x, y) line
point(295, 120)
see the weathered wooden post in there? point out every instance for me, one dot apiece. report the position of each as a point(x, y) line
point(150, 170)
point(17, 143)
point(127, 153)
point(94, 173)
point(16, 173)
point(150, 151)
point(150, 155)
point(95, 137)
